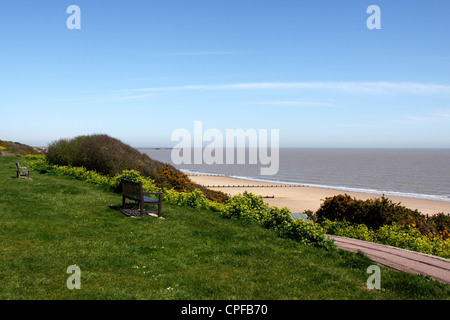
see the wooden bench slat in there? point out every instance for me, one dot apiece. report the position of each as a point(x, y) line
point(150, 200)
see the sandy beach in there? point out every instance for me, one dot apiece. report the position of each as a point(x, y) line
point(302, 198)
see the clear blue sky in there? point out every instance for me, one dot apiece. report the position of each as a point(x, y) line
point(138, 70)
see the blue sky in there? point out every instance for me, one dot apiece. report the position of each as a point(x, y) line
point(138, 70)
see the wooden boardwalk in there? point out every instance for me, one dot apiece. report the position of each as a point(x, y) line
point(405, 260)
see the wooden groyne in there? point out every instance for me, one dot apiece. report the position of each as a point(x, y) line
point(254, 186)
point(268, 185)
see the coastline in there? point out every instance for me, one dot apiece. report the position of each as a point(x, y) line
point(300, 198)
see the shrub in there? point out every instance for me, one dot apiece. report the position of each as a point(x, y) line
point(168, 178)
point(215, 206)
point(337, 208)
point(253, 208)
point(438, 224)
point(244, 206)
point(194, 199)
point(104, 154)
point(346, 229)
point(38, 163)
point(66, 152)
point(306, 233)
point(375, 213)
point(408, 237)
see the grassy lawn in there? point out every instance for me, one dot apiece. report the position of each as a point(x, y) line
point(49, 223)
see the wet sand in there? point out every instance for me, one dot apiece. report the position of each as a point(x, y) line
point(302, 198)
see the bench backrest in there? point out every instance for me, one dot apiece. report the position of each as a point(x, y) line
point(132, 189)
point(21, 169)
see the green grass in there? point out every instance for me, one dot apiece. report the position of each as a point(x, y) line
point(49, 223)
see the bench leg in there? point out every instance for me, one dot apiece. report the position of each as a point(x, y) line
point(159, 205)
point(141, 208)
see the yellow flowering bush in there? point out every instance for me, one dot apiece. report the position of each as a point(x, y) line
point(194, 199)
point(215, 206)
point(410, 238)
point(252, 207)
point(148, 184)
point(306, 232)
point(347, 229)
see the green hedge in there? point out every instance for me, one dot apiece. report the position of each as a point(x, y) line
point(253, 208)
point(376, 213)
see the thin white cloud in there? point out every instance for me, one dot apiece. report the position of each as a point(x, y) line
point(200, 53)
point(432, 118)
point(351, 87)
point(295, 103)
point(139, 96)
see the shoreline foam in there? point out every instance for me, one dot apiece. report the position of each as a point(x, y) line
point(302, 197)
point(441, 198)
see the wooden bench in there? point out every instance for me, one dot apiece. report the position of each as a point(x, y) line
point(133, 190)
point(22, 172)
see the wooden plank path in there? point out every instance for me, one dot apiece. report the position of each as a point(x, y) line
point(405, 260)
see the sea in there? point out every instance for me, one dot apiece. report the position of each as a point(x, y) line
point(413, 173)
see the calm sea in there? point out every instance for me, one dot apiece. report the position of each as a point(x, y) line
point(415, 173)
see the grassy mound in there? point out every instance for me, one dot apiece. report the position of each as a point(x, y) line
point(17, 148)
point(110, 156)
point(104, 154)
